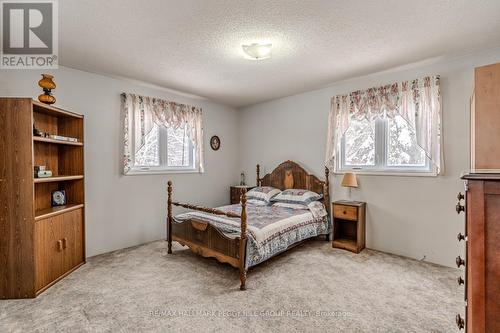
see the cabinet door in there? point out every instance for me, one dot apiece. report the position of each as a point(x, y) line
point(48, 251)
point(72, 235)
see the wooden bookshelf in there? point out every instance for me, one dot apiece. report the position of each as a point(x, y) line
point(41, 243)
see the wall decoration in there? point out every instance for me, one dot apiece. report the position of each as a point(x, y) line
point(215, 142)
point(58, 198)
point(47, 84)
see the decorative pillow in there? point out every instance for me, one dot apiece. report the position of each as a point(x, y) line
point(295, 196)
point(290, 205)
point(262, 193)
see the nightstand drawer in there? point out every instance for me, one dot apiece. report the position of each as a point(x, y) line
point(345, 212)
point(236, 191)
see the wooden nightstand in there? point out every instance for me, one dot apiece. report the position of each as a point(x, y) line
point(349, 225)
point(236, 192)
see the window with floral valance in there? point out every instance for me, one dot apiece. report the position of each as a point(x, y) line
point(161, 136)
point(392, 128)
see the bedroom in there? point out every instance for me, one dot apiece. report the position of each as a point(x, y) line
point(196, 59)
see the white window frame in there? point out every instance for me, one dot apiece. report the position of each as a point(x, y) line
point(381, 167)
point(163, 168)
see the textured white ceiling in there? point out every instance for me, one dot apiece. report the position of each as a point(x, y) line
point(195, 45)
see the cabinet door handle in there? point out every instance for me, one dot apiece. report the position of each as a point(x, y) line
point(60, 245)
point(64, 242)
point(460, 262)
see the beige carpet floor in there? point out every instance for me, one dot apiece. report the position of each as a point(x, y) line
point(312, 288)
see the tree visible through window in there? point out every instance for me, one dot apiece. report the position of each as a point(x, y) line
point(178, 147)
point(402, 148)
point(381, 145)
point(360, 143)
point(149, 154)
point(166, 149)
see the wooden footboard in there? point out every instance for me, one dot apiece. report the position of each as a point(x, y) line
point(206, 240)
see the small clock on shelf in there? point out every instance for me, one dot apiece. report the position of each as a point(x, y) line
point(58, 198)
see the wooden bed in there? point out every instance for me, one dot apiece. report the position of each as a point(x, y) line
point(206, 240)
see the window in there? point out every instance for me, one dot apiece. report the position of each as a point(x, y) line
point(387, 145)
point(165, 149)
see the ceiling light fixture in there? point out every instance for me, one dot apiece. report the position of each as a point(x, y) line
point(257, 51)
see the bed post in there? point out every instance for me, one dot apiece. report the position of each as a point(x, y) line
point(169, 216)
point(258, 176)
point(326, 195)
point(243, 241)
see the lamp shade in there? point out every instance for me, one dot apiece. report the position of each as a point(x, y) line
point(349, 180)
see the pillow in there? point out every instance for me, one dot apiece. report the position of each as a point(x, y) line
point(296, 196)
point(317, 209)
point(290, 205)
point(257, 202)
point(262, 193)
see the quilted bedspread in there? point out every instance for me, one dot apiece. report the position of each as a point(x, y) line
point(271, 229)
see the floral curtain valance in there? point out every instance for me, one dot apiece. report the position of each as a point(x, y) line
point(142, 112)
point(417, 101)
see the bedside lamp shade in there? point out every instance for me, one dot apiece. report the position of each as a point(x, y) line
point(349, 180)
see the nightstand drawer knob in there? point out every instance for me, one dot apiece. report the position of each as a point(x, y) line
point(460, 262)
point(460, 322)
point(460, 281)
point(344, 212)
point(460, 237)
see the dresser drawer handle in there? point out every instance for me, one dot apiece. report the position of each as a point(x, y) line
point(460, 281)
point(459, 208)
point(460, 322)
point(460, 196)
point(460, 237)
point(460, 262)
point(344, 212)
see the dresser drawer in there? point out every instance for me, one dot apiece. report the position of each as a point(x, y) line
point(345, 212)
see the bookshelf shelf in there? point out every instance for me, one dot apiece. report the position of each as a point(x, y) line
point(59, 142)
point(57, 179)
point(53, 211)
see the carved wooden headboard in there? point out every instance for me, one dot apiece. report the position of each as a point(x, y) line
point(291, 175)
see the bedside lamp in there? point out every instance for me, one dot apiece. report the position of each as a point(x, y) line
point(349, 181)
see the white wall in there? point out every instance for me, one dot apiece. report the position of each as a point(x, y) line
point(410, 216)
point(122, 210)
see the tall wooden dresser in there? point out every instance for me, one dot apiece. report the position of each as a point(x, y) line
point(482, 257)
point(39, 243)
point(482, 209)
